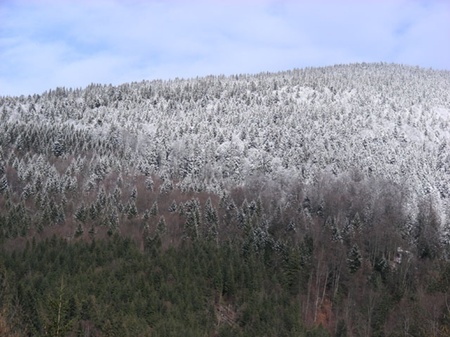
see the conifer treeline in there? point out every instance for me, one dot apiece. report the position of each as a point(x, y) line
point(320, 263)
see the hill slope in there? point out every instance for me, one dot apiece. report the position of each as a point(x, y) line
point(317, 193)
point(387, 121)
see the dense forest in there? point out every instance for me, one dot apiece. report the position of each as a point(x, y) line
point(312, 202)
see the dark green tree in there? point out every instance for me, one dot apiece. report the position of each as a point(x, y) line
point(354, 259)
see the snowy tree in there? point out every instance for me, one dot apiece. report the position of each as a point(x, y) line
point(58, 148)
point(154, 210)
point(173, 207)
point(133, 194)
point(3, 184)
point(81, 213)
point(131, 209)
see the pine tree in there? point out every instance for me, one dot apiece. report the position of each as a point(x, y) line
point(173, 207)
point(117, 195)
point(131, 209)
point(93, 212)
point(149, 183)
point(154, 211)
point(166, 186)
point(133, 194)
point(101, 198)
point(3, 184)
point(58, 148)
point(193, 219)
point(161, 227)
point(81, 213)
point(210, 213)
point(330, 223)
point(356, 223)
point(354, 259)
point(146, 216)
point(79, 231)
point(292, 271)
point(113, 223)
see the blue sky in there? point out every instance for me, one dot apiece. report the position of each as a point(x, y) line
point(49, 43)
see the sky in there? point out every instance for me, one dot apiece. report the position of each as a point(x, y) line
point(46, 44)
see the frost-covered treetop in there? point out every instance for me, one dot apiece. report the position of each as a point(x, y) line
point(383, 120)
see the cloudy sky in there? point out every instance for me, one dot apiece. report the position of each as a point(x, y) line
point(72, 43)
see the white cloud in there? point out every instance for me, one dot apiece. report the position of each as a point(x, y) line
point(44, 44)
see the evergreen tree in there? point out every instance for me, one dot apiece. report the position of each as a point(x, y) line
point(211, 221)
point(161, 227)
point(93, 212)
point(292, 271)
point(356, 223)
point(146, 216)
point(57, 319)
point(3, 184)
point(149, 183)
point(79, 231)
point(166, 186)
point(58, 148)
point(113, 223)
point(131, 210)
point(133, 194)
point(354, 259)
point(173, 207)
point(81, 213)
point(101, 198)
point(154, 210)
point(117, 195)
point(193, 219)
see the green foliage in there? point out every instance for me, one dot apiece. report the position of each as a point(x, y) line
point(58, 313)
point(111, 287)
point(292, 271)
point(193, 219)
point(161, 226)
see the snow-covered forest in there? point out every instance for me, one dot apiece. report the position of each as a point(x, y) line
point(356, 122)
point(331, 185)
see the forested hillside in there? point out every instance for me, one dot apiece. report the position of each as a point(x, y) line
point(311, 202)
